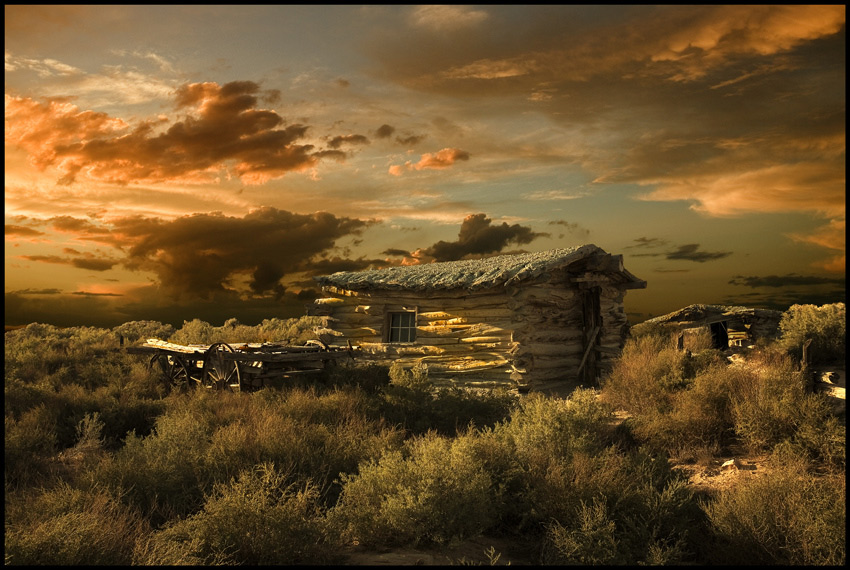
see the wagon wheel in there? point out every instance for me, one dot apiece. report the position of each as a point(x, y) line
point(220, 373)
point(173, 370)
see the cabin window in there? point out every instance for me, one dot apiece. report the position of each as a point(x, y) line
point(401, 326)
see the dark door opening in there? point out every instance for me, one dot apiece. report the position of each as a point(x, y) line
point(719, 335)
point(592, 331)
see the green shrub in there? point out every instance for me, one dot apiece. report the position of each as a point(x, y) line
point(38, 351)
point(782, 517)
point(66, 526)
point(135, 332)
point(412, 401)
point(163, 474)
point(438, 492)
point(294, 331)
point(556, 428)
point(699, 420)
point(316, 436)
point(825, 326)
point(765, 401)
point(258, 518)
point(649, 370)
point(28, 444)
point(370, 377)
point(592, 541)
point(616, 507)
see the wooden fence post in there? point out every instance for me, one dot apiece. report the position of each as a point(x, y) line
point(808, 376)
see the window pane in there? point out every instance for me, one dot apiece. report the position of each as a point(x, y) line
point(402, 327)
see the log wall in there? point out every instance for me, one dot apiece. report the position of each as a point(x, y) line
point(512, 336)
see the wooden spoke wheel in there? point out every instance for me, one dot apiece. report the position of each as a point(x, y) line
point(221, 373)
point(173, 370)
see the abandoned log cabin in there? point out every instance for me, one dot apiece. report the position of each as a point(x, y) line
point(511, 320)
point(729, 326)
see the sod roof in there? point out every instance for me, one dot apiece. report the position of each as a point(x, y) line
point(470, 274)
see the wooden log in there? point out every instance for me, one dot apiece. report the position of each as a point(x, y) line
point(551, 349)
point(567, 363)
point(490, 338)
point(330, 301)
point(357, 332)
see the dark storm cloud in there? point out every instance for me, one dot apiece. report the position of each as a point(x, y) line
point(23, 231)
point(384, 131)
point(76, 225)
point(222, 130)
point(690, 252)
point(338, 141)
point(86, 262)
point(334, 264)
point(781, 300)
point(35, 292)
point(91, 294)
point(478, 236)
point(571, 227)
point(411, 140)
point(395, 252)
point(789, 280)
point(647, 242)
point(202, 254)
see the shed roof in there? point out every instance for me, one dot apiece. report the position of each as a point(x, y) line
point(468, 274)
point(702, 313)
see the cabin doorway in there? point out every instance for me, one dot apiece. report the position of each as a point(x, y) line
point(591, 333)
point(719, 335)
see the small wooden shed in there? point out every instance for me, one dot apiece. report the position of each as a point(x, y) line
point(728, 325)
point(513, 320)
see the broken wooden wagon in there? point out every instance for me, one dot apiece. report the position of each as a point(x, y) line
point(237, 366)
point(509, 320)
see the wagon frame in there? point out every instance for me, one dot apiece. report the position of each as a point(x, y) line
point(237, 366)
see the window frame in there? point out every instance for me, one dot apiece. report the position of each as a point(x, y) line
point(410, 328)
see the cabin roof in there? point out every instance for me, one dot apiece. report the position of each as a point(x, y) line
point(701, 313)
point(470, 274)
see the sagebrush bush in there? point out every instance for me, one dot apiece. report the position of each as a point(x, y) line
point(591, 541)
point(163, 474)
point(825, 326)
point(370, 377)
point(698, 422)
point(411, 400)
point(634, 507)
point(782, 517)
point(765, 402)
point(64, 526)
point(316, 436)
point(259, 518)
point(434, 493)
point(294, 331)
point(649, 370)
point(557, 428)
point(140, 331)
point(29, 442)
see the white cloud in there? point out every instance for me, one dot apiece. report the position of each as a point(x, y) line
point(447, 18)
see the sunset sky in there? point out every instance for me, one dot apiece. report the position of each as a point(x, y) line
point(176, 162)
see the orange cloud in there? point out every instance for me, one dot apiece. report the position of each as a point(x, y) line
point(778, 188)
point(722, 32)
point(831, 236)
point(432, 161)
point(222, 131)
